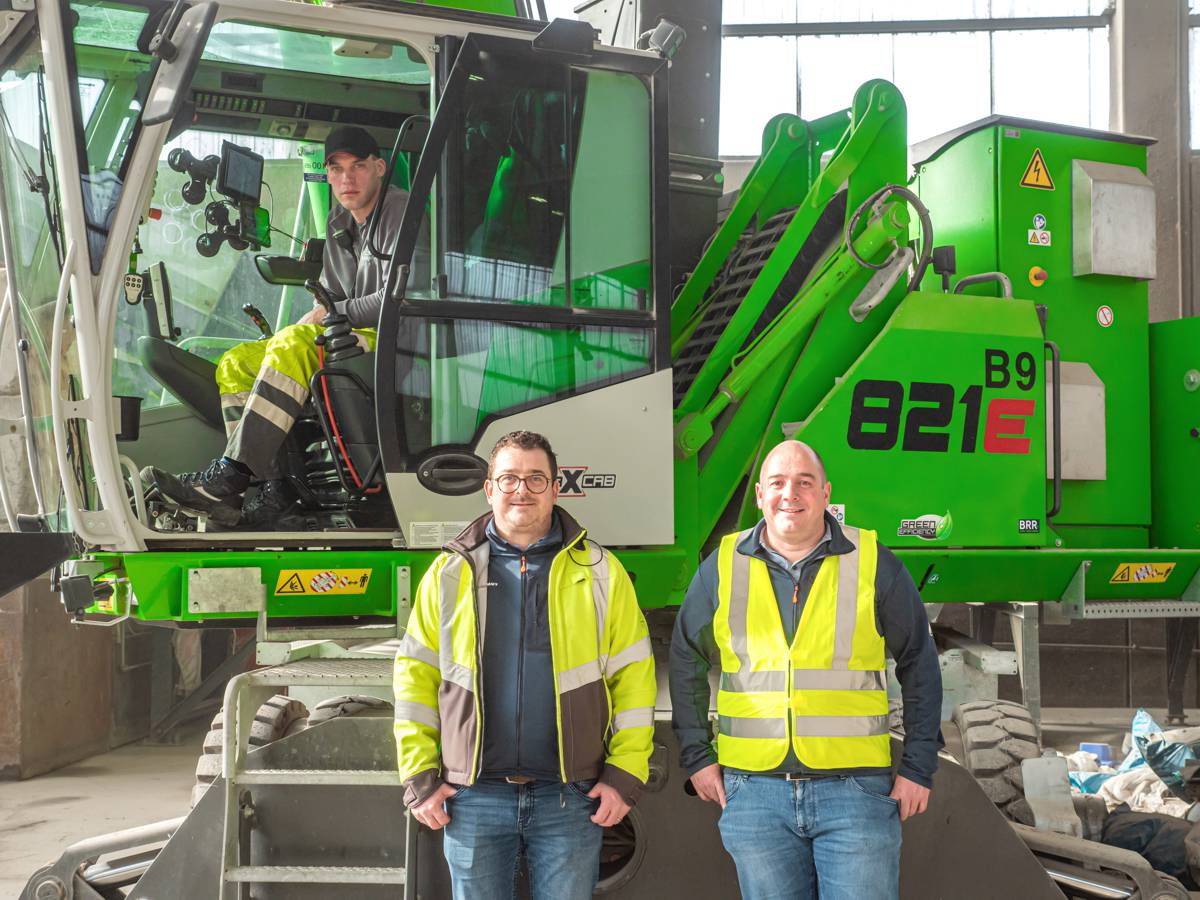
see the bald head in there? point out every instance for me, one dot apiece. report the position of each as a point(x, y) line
point(789, 453)
point(792, 492)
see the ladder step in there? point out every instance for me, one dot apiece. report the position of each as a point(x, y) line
point(316, 875)
point(344, 777)
point(325, 673)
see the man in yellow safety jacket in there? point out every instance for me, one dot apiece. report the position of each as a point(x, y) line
point(799, 614)
point(264, 384)
point(525, 690)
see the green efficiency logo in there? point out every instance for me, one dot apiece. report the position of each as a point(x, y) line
point(927, 528)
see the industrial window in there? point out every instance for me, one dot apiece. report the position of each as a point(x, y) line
point(954, 61)
point(1194, 71)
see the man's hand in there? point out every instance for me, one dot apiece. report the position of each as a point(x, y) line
point(432, 811)
point(913, 798)
point(314, 316)
point(709, 783)
point(613, 807)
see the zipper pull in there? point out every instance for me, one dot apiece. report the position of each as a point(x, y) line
point(795, 594)
point(522, 563)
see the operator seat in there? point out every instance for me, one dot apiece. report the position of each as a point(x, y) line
point(191, 378)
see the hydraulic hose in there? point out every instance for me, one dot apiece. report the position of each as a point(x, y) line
point(926, 255)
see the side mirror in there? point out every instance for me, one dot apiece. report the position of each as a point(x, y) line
point(175, 72)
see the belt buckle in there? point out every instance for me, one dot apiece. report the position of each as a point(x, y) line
point(517, 779)
point(796, 776)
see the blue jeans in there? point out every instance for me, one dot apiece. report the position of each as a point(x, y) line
point(835, 838)
point(494, 823)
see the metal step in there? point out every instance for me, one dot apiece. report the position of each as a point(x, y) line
point(344, 777)
point(325, 673)
point(316, 875)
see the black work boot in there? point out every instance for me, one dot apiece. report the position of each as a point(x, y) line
point(275, 507)
point(216, 492)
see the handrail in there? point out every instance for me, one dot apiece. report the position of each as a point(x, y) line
point(74, 507)
point(982, 278)
point(10, 304)
point(4, 502)
point(1056, 382)
point(139, 499)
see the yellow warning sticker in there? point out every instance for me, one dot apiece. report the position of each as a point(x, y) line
point(1142, 573)
point(298, 582)
point(1037, 175)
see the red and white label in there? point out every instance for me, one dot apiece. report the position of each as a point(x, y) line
point(1104, 315)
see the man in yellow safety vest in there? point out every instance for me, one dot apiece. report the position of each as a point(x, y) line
point(799, 613)
point(525, 690)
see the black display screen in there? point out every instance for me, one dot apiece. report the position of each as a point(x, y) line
point(240, 174)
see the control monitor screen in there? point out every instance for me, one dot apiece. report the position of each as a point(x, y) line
point(240, 174)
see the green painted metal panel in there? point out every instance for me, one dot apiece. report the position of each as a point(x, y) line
point(1175, 431)
point(922, 440)
point(1030, 576)
point(159, 581)
point(979, 204)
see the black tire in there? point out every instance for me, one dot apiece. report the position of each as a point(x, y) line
point(275, 719)
point(1172, 888)
point(997, 736)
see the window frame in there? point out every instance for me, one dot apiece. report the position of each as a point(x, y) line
point(451, 84)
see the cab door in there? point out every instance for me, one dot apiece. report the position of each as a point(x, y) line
point(545, 306)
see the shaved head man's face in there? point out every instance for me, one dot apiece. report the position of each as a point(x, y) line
point(792, 493)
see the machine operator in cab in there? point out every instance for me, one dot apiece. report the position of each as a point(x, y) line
point(264, 384)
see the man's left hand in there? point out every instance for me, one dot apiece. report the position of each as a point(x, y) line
point(912, 797)
point(613, 807)
point(314, 316)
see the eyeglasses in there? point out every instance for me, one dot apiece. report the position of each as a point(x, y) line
point(535, 483)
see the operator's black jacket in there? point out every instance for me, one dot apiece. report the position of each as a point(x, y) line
point(899, 617)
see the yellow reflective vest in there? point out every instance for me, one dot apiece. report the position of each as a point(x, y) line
point(827, 692)
point(602, 658)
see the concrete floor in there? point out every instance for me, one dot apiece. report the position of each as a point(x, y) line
point(143, 783)
point(133, 785)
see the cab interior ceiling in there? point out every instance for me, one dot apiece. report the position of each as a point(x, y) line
point(300, 106)
point(273, 103)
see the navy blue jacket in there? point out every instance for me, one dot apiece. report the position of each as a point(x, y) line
point(899, 617)
point(520, 731)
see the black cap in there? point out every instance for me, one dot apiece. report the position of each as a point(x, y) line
point(350, 139)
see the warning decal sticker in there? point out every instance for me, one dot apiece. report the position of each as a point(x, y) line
point(1036, 175)
point(1142, 573)
point(298, 582)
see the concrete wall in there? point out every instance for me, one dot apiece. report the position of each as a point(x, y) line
point(55, 684)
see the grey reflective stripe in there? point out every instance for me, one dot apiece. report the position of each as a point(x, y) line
point(458, 674)
point(412, 711)
point(412, 648)
point(638, 651)
point(744, 727)
point(841, 680)
point(847, 603)
point(577, 677)
point(638, 717)
point(739, 602)
point(841, 726)
point(448, 580)
point(744, 682)
point(600, 595)
point(480, 558)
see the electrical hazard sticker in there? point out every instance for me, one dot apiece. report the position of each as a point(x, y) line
point(326, 582)
point(1142, 573)
point(1036, 174)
